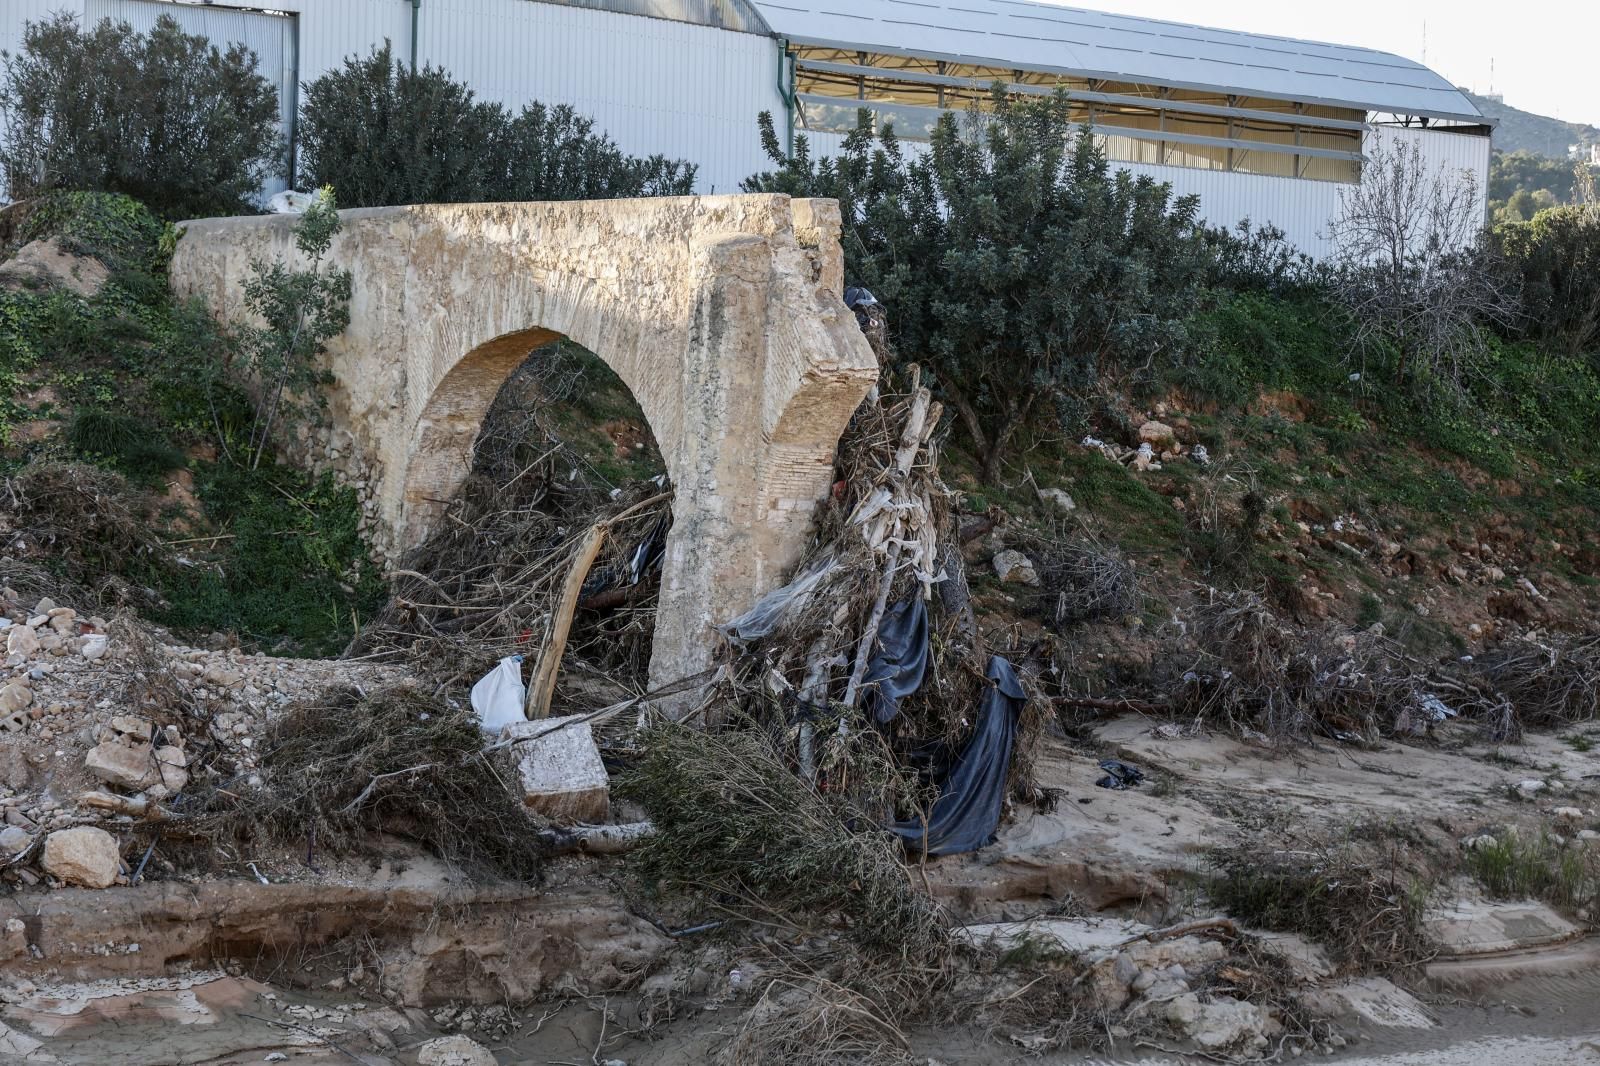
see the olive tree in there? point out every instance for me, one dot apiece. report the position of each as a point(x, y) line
point(1010, 256)
point(165, 117)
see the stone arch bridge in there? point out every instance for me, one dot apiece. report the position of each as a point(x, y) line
point(722, 314)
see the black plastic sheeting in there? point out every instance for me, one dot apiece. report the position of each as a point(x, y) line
point(967, 811)
point(896, 669)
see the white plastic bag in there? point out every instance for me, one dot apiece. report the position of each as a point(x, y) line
point(499, 695)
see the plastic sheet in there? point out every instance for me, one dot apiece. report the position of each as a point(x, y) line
point(897, 667)
point(764, 617)
point(967, 811)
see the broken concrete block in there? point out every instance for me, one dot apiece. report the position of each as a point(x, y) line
point(83, 855)
point(560, 773)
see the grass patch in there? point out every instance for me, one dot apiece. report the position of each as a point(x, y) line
point(1519, 866)
point(1354, 897)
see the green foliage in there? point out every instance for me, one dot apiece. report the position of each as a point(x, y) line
point(1011, 256)
point(382, 133)
point(293, 571)
point(122, 442)
point(1523, 183)
point(299, 312)
point(166, 117)
point(1518, 866)
point(1557, 259)
point(115, 229)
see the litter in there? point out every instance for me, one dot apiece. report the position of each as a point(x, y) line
point(499, 695)
point(1119, 775)
point(967, 811)
point(770, 609)
point(896, 670)
point(290, 202)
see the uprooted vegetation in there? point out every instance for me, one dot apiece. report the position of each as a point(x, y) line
point(346, 765)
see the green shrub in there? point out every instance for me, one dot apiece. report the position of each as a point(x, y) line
point(1556, 257)
point(291, 571)
point(128, 444)
point(1011, 255)
point(165, 117)
point(382, 133)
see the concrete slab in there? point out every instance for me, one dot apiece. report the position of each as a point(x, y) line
point(560, 772)
point(1468, 926)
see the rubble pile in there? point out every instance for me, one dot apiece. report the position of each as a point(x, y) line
point(106, 723)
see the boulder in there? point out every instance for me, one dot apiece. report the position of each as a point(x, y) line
point(454, 1051)
point(1059, 498)
point(15, 697)
point(47, 263)
point(1015, 568)
point(22, 640)
point(14, 841)
point(1159, 436)
point(560, 773)
point(83, 856)
point(137, 766)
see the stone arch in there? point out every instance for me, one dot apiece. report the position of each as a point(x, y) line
point(721, 314)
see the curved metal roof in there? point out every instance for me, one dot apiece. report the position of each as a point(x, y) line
point(1072, 41)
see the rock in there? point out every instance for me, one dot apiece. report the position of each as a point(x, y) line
point(15, 942)
point(44, 607)
point(22, 640)
point(1015, 568)
point(48, 262)
point(82, 856)
point(1567, 814)
point(15, 697)
point(132, 767)
point(1219, 1025)
point(1059, 498)
point(64, 620)
point(1146, 459)
point(132, 726)
point(560, 773)
point(454, 1051)
point(221, 677)
point(1532, 786)
point(14, 841)
point(1158, 435)
point(171, 769)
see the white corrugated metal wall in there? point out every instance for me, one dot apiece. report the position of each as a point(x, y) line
point(653, 85)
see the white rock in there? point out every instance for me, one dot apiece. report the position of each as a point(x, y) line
point(95, 647)
point(1567, 814)
point(1015, 568)
point(82, 856)
point(1059, 498)
point(1531, 786)
point(22, 640)
point(454, 1051)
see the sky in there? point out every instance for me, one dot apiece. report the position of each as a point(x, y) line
point(1545, 53)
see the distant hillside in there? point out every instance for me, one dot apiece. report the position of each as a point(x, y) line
point(1525, 131)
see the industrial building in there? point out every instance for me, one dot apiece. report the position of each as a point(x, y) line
point(1261, 127)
